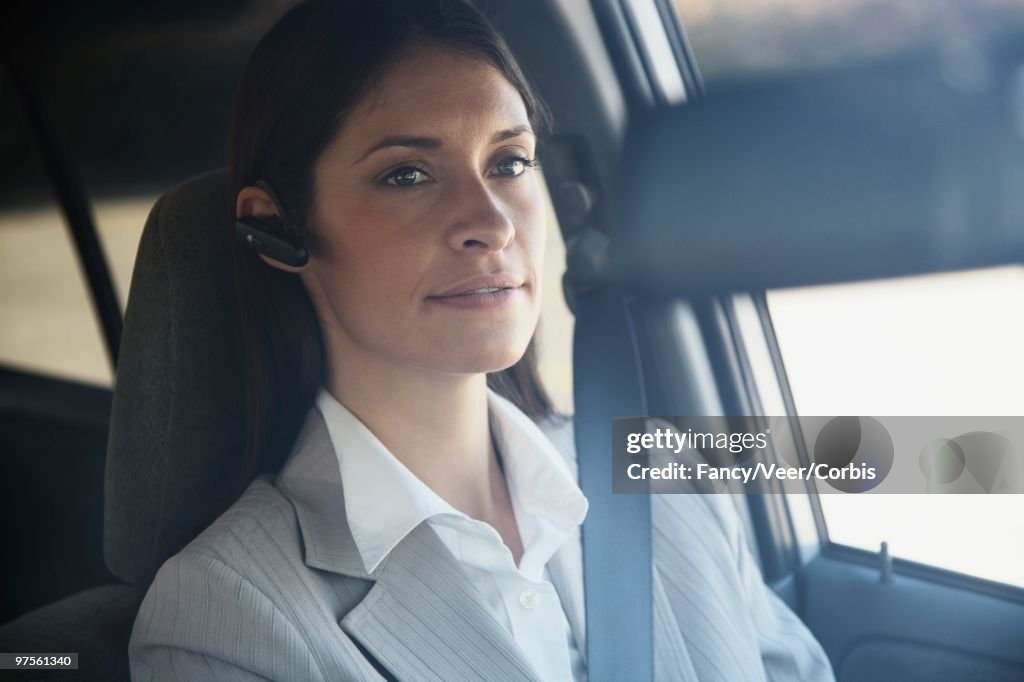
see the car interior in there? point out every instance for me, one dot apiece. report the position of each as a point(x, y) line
point(679, 207)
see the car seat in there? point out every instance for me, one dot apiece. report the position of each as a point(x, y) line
point(176, 437)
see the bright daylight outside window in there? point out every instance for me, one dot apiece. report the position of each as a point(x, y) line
point(937, 345)
point(45, 298)
point(47, 322)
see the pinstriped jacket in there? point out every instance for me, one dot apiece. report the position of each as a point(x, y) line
point(275, 589)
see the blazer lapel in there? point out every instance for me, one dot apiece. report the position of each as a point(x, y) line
point(422, 619)
point(312, 481)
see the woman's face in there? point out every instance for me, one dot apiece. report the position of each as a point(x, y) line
point(423, 192)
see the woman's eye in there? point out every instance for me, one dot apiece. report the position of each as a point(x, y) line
point(409, 176)
point(406, 176)
point(515, 165)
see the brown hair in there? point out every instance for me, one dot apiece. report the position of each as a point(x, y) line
point(304, 77)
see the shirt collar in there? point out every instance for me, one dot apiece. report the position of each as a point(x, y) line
point(385, 501)
point(548, 503)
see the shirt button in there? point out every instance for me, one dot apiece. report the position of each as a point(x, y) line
point(529, 599)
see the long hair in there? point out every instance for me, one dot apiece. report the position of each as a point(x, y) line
point(302, 80)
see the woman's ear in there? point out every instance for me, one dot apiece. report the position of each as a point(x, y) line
point(255, 202)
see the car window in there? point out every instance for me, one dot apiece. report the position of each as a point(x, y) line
point(945, 344)
point(47, 322)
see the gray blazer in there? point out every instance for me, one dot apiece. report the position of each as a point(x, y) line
point(275, 589)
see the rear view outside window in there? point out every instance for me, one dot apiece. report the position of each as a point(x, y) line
point(47, 323)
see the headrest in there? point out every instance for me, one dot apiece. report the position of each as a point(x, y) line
point(177, 431)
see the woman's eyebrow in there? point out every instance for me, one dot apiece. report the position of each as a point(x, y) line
point(511, 132)
point(434, 143)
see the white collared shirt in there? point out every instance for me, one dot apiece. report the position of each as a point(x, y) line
point(530, 601)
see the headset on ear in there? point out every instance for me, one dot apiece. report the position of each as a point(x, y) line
point(273, 236)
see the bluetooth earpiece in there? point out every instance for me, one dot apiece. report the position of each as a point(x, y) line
point(273, 236)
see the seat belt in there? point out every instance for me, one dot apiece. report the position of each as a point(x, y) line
point(617, 564)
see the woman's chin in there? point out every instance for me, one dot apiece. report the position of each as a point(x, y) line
point(480, 360)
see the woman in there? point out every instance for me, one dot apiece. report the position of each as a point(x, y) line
point(424, 524)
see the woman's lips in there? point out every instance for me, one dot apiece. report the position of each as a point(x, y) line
point(478, 300)
point(494, 280)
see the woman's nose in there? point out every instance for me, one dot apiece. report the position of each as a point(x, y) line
point(480, 219)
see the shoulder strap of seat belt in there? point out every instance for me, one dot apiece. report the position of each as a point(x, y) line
point(617, 567)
